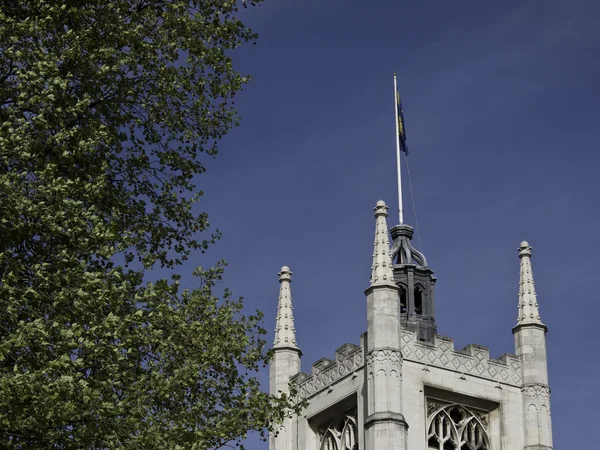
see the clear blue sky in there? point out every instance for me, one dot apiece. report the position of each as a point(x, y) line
point(501, 101)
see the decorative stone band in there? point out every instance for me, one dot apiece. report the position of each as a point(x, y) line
point(386, 359)
point(385, 417)
point(473, 360)
point(536, 392)
point(382, 355)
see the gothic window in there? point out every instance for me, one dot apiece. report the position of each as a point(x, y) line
point(418, 300)
point(454, 427)
point(403, 303)
point(341, 433)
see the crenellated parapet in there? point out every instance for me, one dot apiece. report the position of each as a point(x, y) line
point(348, 359)
point(473, 360)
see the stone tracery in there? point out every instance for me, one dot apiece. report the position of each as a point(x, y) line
point(454, 427)
point(341, 433)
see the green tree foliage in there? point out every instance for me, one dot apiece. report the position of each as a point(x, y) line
point(106, 107)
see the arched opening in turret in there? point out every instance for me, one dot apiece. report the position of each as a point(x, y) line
point(418, 301)
point(403, 300)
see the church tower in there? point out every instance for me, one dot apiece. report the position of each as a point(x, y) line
point(403, 386)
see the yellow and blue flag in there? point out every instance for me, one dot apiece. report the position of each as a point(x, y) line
point(401, 127)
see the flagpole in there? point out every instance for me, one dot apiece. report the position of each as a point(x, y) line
point(400, 214)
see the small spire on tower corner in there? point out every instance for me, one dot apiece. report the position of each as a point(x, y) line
point(285, 333)
point(381, 270)
point(528, 305)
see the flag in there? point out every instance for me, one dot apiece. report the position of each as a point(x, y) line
point(401, 127)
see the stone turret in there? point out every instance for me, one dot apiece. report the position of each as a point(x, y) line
point(416, 282)
point(530, 345)
point(286, 357)
point(385, 427)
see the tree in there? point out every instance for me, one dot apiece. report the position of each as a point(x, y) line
point(106, 107)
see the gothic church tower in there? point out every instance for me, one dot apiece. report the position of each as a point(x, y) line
point(405, 387)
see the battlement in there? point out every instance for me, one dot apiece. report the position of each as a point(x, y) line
point(348, 359)
point(471, 360)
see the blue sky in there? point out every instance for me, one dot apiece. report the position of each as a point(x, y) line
point(501, 103)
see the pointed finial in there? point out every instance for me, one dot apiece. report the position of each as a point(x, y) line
point(285, 333)
point(525, 249)
point(381, 271)
point(528, 305)
point(402, 250)
point(285, 274)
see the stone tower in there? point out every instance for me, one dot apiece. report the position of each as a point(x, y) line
point(405, 387)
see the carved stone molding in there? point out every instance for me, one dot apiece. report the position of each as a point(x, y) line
point(385, 417)
point(389, 360)
point(384, 356)
point(472, 360)
point(433, 406)
point(535, 392)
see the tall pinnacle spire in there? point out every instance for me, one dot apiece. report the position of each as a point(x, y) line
point(528, 305)
point(381, 271)
point(285, 333)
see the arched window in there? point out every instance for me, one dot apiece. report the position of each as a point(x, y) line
point(454, 427)
point(341, 433)
point(418, 300)
point(403, 301)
